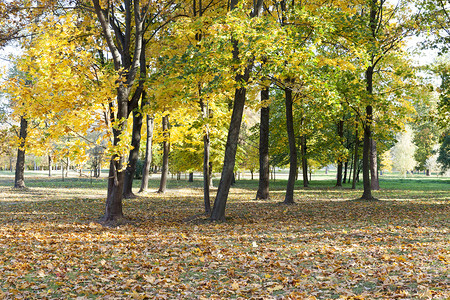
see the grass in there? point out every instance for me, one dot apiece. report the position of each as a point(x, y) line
point(327, 246)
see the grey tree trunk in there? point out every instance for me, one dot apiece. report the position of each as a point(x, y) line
point(303, 151)
point(367, 194)
point(166, 150)
point(289, 197)
point(218, 212)
point(19, 178)
point(206, 171)
point(355, 159)
point(148, 155)
point(50, 165)
point(340, 164)
point(133, 156)
point(113, 205)
point(375, 184)
point(264, 168)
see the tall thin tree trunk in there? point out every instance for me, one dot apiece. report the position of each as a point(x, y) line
point(375, 184)
point(367, 194)
point(344, 180)
point(303, 151)
point(19, 179)
point(264, 168)
point(289, 198)
point(218, 212)
point(339, 168)
point(148, 155)
point(355, 159)
point(206, 171)
point(133, 156)
point(166, 150)
point(49, 165)
point(367, 124)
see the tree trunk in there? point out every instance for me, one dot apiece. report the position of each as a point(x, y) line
point(375, 184)
point(218, 212)
point(113, 206)
point(19, 179)
point(148, 155)
point(304, 161)
point(206, 172)
point(339, 168)
point(344, 180)
point(49, 166)
point(210, 169)
point(367, 194)
point(355, 159)
point(289, 198)
point(133, 156)
point(264, 169)
point(166, 150)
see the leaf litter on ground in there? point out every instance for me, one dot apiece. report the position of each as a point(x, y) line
point(324, 247)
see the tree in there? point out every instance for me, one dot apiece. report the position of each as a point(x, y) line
point(241, 78)
point(127, 56)
point(444, 153)
point(384, 36)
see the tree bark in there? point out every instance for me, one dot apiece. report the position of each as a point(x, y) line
point(206, 171)
point(375, 184)
point(303, 151)
point(113, 206)
point(148, 155)
point(218, 213)
point(367, 194)
point(355, 159)
point(344, 179)
point(264, 168)
point(133, 156)
point(49, 165)
point(166, 150)
point(19, 179)
point(339, 168)
point(289, 197)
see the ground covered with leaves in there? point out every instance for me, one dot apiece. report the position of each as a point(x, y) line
point(326, 246)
